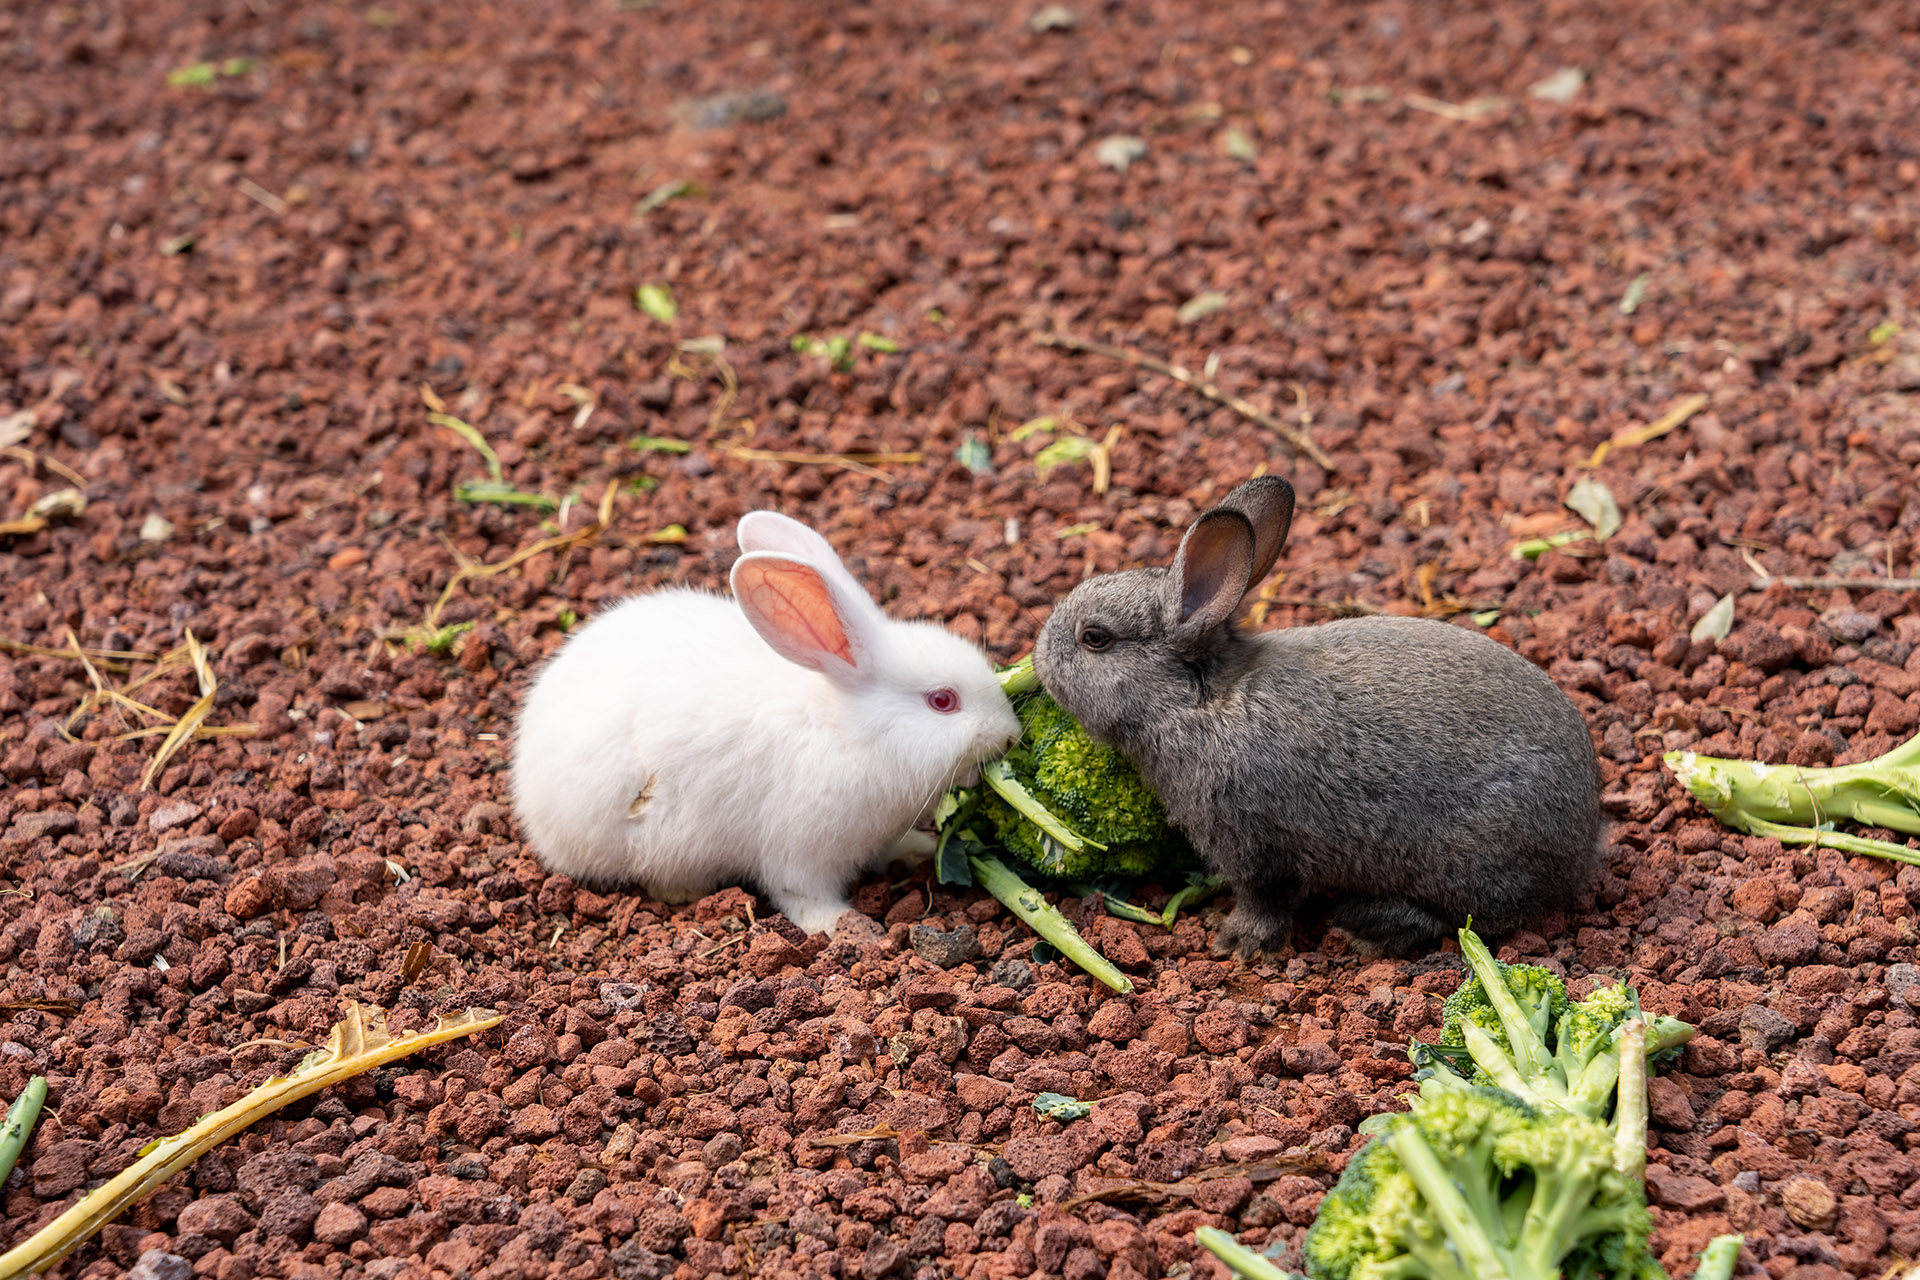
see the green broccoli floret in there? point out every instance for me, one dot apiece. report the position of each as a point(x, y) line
point(1119, 826)
point(1520, 1032)
point(1476, 1185)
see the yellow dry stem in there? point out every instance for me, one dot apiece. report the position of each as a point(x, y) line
point(359, 1042)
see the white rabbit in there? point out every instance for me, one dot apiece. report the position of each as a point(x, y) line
point(787, 737)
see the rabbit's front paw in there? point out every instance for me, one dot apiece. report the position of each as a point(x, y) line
point(1247, 933)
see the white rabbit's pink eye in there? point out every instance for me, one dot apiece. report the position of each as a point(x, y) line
point(945, 701)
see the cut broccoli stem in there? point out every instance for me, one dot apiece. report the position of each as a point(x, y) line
point(1000, 778)
point(1529, 1049)
point(20, 1121)
point(1240, 1260)
point(1630, 1103)
point(1718, 1258)
point(1488, 1056)
point(1195, 890)
point(1464, 1232)
point(1044, 919)
point(1019, 678)
point(1795, 805)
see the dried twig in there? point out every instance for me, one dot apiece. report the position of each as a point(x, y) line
point(1301, 442)
point(1296, 1161)
point(1762, 581)
point(1686, 408)
point(862, 463)
point(473, 569)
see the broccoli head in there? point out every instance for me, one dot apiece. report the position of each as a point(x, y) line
point(1091, 790)
point(1474, 1184)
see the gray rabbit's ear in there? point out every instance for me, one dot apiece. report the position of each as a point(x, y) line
point(1209, 576)
point(1267, 503)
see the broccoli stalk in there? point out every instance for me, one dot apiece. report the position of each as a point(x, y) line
point(1799, 806)
point(1240, 1260)
point(1024, 901)
point(1718, 1258)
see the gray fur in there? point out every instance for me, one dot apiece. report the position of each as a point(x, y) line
point(1410, 771)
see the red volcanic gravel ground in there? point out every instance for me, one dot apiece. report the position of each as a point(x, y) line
point(236, 241)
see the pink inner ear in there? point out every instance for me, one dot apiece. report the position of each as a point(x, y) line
point(795, 601)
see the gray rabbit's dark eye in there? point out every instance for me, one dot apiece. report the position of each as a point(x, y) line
point(1096, 639)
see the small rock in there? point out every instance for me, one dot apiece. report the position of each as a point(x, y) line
point(1315, 1057)
point(248, 898)
point(1114, 1021)
point(1015, 974)
point(1052, 17)
point(1221, 1031)
point(1902, 981)
point(339, 1224)
point(928, 993)
point(1810, 1203)
point(1682, 1191)
point(722, 1148)
point(221, 1217)
point(1793, 941)
point(1851, 625)
point(724, 110)
point(300, 885)
point(158, 1264)
point(1119, 151)
point(175, 814)
point(586, 1184)
point(1763, 1029)
point(944, 949)
point(1668, 1105)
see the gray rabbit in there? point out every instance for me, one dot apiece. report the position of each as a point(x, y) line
point(1411, 772)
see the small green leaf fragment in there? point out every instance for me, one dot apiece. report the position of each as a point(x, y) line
point(1077, 530)
point(1716, 622)
point(195, 75)
point(657, 301)
point(877, 342)
point(1033, 426)
point(1064, 450)
point(502, 495)
point(658, 444)
point(673, 534)
point(1534, 548)
point(1058, 1106)
point(662, 194)
point(1486, 617)
point(1883, 333)
point(974, 455)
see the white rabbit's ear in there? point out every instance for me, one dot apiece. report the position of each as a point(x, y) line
point(771, 531)
point(802, 611)
point(1209, 576)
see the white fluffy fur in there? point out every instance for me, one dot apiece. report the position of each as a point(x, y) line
point(761, 769)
